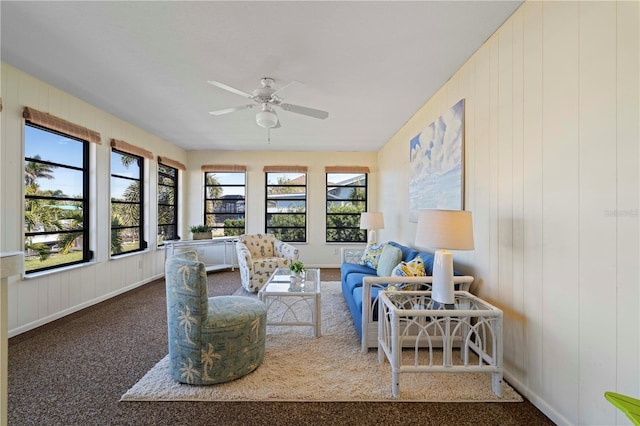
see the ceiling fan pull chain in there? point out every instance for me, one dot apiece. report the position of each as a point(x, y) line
point(269, 135)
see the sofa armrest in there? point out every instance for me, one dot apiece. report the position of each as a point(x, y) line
point(369, 327)
point(351, 255)
point(244, 256)
point(285, 250)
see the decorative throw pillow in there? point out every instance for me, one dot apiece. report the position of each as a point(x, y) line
point(371, 255)
point(388, 260)
point(414, 268)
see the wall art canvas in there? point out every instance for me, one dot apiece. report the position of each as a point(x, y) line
point(437, 168)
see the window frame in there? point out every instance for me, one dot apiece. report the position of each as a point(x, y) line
point(141, 220)
point(175, 186)
point(87, 254)
point(362, 232)
point(270, 229)
point(209, 217)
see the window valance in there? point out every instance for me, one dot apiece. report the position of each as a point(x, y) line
point(131, 149)
point(52, 122)
point(285, 169)
point(223, 168)
point(346, 169)
point(171, 163)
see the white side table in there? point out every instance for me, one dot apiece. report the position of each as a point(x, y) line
point(10, 265)
point(410, 321)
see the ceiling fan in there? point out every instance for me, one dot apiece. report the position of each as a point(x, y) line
point(267, 97)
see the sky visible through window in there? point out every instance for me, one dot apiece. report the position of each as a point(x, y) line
point(234, 178)
point(57, 149)
point(119, 186)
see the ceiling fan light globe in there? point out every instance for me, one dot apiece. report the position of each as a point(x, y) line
point(266, 119)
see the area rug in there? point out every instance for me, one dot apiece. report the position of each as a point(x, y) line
point(298, 367)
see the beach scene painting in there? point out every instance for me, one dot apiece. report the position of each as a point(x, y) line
point(436, 161)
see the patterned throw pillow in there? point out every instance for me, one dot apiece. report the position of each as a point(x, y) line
point(371, 255)
point(414, 268)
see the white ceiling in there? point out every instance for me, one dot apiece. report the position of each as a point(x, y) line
point(372, 65)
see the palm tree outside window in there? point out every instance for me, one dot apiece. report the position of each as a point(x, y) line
point(56, 199)
point(127, 214)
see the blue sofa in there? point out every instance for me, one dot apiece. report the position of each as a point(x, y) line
point(360, 282)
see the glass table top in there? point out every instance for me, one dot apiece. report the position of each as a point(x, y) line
point(282, 282)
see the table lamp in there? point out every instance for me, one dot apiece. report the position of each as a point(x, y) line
point(444, 230)
point(371, 221)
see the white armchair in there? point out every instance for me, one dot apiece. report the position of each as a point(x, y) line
point(259, 255)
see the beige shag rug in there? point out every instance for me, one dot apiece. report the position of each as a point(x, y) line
point(298, 367)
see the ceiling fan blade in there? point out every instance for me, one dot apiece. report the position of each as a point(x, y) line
point(230, 89)
point(315, 113)
point(282, 92)
point(228, 110)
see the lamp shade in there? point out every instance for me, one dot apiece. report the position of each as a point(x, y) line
point(445, 229)
point(371, 220)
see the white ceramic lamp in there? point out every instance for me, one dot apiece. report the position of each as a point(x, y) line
point(371, 221)
point(444, 230)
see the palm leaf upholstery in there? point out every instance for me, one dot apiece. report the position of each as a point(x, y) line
point(211, 339)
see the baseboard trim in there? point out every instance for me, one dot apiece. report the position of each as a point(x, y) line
point(536, 400)
point(42, 321)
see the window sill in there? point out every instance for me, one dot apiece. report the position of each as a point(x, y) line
point(125, 255)
point(41, 274)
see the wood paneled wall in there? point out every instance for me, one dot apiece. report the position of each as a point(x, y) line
point(552, 157)
point(37, 300)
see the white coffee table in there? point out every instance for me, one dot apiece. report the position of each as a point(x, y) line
point(411, 323)
point(293, 302)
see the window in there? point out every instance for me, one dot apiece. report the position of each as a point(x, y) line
point(286, 210)
point(167, 203)
point(346, 199)
point(127, 219)
point(56, 201)
point(224, 207)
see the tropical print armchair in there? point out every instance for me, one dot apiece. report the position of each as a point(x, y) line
point(259, 255)
point(211, 339)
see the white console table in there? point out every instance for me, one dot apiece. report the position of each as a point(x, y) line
point(200, 245)
point(10, 265)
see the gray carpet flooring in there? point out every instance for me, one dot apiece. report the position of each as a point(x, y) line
point(73, 371)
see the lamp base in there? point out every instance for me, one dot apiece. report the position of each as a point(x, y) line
point(442, 286)
point(371, 238)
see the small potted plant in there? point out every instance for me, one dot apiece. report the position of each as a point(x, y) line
point(297, 268)
point(201, 232)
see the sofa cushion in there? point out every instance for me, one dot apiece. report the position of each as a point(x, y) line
point(412, 268)
point(388, 260)
point(371, 255)
point(349, 268)
point(407, 252)
point(355, 280)
point(357, 298)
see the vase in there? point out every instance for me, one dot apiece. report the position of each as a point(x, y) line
point(298, 277)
